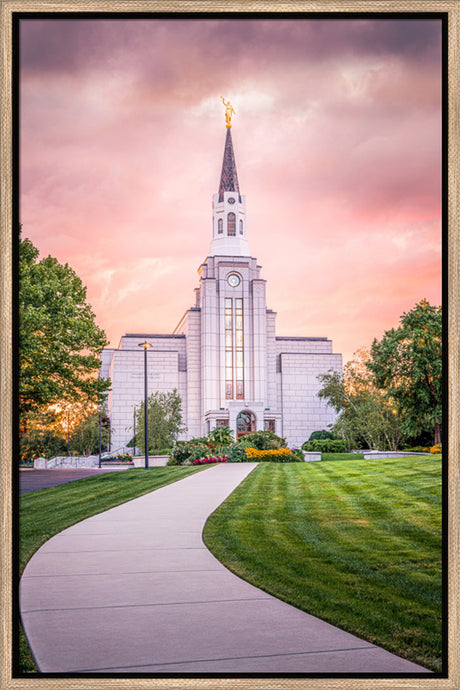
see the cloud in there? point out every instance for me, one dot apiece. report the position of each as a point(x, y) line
point(337, 142)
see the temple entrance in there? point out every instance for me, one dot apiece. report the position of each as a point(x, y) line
point(245, 423)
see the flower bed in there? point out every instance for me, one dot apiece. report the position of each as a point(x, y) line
point(209, 460)
point(275, 455)
point(118, 459)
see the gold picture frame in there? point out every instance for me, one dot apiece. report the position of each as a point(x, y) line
point(452, 10)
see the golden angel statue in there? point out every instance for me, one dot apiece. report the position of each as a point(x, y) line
point(229, 111)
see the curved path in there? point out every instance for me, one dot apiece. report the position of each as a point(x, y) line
point(134, 590)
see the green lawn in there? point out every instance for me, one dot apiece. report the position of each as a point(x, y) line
point(354, 542)
point(46, 512)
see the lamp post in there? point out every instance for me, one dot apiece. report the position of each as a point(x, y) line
point(134, 430)
point(68, 420)
point(100, 435)
point(146, 345)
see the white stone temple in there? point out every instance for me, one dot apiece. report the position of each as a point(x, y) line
point(224, 357)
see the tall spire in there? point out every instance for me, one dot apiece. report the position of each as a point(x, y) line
point(228, 206)
point(228, 177)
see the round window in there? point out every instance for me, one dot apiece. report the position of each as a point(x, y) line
point(233, 280)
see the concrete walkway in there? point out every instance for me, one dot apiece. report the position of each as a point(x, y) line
point(134, 590)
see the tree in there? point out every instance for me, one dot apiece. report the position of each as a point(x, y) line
point(365, 412)
point(85, 438)
point(164, 421)
point(59, 340)
point(407, 363)
point(43, 436)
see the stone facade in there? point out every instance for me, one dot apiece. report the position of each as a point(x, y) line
point(224, 357)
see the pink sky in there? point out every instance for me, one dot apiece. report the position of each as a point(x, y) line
point(337, 138)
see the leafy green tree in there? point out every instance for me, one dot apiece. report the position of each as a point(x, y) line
point(365, 412)
point(165, 421)
point(85, 437)
point(407, 363)
point(59, 339)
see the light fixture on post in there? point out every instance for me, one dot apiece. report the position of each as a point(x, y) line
point(146, 345)
point(68, 421)
point(134, 430)
point(100, 434)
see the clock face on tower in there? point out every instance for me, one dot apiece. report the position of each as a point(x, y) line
point(231, 200)
point(233, 280)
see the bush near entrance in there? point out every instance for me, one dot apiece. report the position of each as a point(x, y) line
point(326, 446)
point(262, 440)
point(319, 435)
point(253, 447)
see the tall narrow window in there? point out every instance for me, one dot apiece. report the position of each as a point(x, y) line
point(220, 226)
point(241, 227)
point(231, 225)
point(239, 363)
point(228, 348)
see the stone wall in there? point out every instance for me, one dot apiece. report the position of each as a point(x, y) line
point(375, 454)
point(66, 462)
point(166, 364)
point(303, 412)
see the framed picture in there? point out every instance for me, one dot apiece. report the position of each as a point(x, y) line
point(303, 159)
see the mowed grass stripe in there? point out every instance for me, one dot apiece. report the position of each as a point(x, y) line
point(353, 542)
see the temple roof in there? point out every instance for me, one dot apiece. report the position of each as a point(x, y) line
point(228, 177)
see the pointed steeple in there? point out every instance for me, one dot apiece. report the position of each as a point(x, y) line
point(228, 177)
point(229, 209)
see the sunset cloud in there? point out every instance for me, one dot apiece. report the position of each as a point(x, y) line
point(337, 138)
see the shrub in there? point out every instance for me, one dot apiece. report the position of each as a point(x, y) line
point(273, 455)
point(220, 438)
point(321, 435)
point(434, 450)
point(262, 440)
point(326, 446)
point(237, 453)
point(298, 454)
point(188, 450)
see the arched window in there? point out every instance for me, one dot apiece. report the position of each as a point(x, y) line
point(231, 225)
point(220, 226)
point(245, 423)
point(241, 227)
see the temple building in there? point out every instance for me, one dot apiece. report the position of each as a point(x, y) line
point(224, 357)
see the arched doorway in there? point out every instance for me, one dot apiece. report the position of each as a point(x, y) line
point(245, 423)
